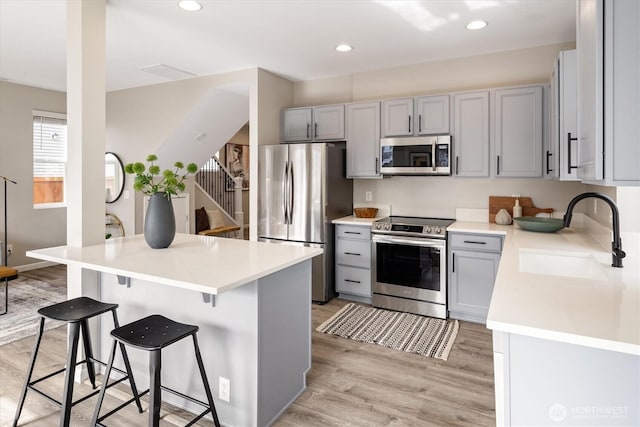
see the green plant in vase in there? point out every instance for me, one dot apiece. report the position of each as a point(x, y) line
point(150, 181)
point(159, 224)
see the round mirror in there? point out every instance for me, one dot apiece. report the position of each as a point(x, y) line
point(113, 177)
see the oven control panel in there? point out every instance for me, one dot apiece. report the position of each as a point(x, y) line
point(382, 226)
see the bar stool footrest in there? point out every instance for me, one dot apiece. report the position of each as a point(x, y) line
point(32, 384)
point(116, 409)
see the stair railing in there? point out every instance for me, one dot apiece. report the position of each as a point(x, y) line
point(218, 182)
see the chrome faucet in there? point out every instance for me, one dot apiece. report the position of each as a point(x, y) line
point(616, 246)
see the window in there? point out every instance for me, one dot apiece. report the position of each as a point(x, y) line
point(49, 159)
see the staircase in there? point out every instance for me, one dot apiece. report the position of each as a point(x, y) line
point(219, 184)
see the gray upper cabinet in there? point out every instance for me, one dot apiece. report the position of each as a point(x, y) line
point(324, 123)
point(471, 134)
point(296, 124)
point(397, 117)
point(608, 37)
point(518, 132)
point(561, 148)
point(328, 123)
point(430, 116)
point(363, 140)
point(433, 115)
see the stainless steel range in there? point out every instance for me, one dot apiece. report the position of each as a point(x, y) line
point(409, 264)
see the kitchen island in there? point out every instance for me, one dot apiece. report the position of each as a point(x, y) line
point(251, 300)
point(566, 329)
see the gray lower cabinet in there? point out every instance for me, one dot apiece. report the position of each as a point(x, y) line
point(353, 262)
point(473, 264)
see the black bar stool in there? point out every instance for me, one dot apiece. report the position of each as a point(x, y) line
point(75, 312)
point(153, 333)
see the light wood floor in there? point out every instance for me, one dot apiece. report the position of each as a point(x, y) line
point(350, 383)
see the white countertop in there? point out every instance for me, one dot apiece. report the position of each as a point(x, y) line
point(353, 220)
point(539, 292)
point(205, 264)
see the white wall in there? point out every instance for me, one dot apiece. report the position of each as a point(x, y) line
point(272, 94)
point(140, 120)
point(439, 196)
point(28, 228)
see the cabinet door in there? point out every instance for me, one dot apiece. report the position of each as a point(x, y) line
point(552, 144)
point(328, 123)
point(471, 134)
point(518, 132)
point(363, 140)
point(296, 124)
point(397, 117)
point(590, 95)
point(471, 279)
point(433, 114)
point(568, 115)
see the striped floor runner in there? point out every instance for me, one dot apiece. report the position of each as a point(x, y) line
point(401, 331)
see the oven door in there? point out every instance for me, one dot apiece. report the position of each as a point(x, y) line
point(409, 267)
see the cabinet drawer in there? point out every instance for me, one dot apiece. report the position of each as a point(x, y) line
point(356, 253)
point(353, 280)
point(354, 232)
point(475, 242)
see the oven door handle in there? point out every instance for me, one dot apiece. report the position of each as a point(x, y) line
point(409, 241)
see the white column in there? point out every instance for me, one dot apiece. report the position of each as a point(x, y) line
point(86, 132)
point(86, 137)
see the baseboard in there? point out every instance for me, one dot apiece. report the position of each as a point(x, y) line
point(35, 265)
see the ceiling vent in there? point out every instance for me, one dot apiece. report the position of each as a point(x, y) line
point(167, 72)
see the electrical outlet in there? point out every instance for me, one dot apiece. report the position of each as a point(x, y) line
point(224, 389)
point(368, 196)
point(9, 250)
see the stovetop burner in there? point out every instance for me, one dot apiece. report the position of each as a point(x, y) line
point(412, 226)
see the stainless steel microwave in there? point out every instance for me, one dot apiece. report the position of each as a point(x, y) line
point(423, 155)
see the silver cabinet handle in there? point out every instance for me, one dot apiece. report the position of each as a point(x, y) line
point(419, 123)
point(308, 128)
point(453, 262)
point(457, 165)
point(409, 124)
point(377, 166)
point(352, 232)
point(498, 166)
point(315, 131)
point(549, 154)
point(351, 253)
point(352, 281)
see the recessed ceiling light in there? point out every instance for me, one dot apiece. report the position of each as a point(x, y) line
point(476, 25)
point(343, 48)
point(190, 5)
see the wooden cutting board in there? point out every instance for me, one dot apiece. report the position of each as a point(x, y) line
point(505, 202)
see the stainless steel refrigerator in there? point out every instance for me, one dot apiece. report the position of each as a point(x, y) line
point(302, 188)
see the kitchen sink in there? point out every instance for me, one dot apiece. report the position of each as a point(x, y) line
point(558, 263)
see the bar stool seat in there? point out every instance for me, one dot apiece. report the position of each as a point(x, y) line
point(76, 312)
point(7, 274)
point(76, 309)
point(152, 334)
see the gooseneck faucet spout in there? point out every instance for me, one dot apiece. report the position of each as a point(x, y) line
point(616, 246)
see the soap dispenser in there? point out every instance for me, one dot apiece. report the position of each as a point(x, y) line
point(517, 209)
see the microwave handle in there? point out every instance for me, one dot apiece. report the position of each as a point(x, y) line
point(433, 156)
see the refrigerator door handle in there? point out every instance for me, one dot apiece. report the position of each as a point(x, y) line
point(285, 197)
point(291, 190)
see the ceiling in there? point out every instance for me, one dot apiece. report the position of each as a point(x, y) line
point(292, 38)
